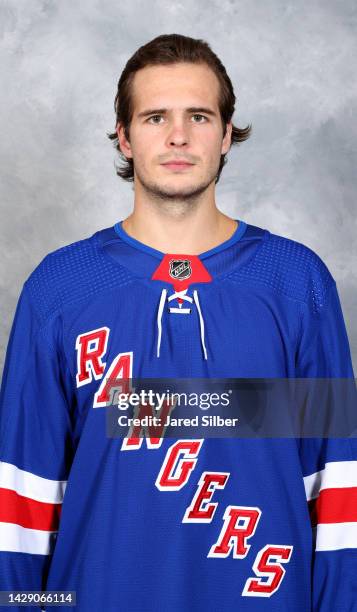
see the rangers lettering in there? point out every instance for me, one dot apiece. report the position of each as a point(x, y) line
point(233, 537)
point(90, 348)
point(265, 567)
point(117, 380)
point(197, 512)
point(155, 432)
point(180, 460)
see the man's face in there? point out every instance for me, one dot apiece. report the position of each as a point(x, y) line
point(176, 133)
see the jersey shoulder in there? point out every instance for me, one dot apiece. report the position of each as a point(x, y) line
point(72, 274)
point(289, 268)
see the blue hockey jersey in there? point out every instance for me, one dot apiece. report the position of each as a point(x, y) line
point(173, 525)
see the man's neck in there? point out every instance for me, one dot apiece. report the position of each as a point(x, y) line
point(191, 234)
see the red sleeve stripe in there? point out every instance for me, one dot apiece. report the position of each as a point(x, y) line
point(334, 506)
point(28, 512)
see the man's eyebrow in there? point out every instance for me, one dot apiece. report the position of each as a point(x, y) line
point(201, 109)
point(191, 109)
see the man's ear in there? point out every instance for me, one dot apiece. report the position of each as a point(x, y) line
point(227, 139)
point(124, 143)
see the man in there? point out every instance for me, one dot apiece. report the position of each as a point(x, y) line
point(180, 290)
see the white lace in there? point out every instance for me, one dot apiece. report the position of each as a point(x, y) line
point(179, 310)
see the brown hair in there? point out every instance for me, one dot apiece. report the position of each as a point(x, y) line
point(171, 49)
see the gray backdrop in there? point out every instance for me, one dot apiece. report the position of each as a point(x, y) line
point(293, 65)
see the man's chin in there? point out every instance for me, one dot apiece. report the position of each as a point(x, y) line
point(169, 192)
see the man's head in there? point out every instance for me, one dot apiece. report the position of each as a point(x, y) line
point(174, 103)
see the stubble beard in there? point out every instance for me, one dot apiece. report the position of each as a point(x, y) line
point(182, 197)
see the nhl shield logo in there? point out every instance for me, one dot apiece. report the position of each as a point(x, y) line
point(180, 269)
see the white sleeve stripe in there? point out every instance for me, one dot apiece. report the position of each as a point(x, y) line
point(14, 538)
point(335, 536)
point(32, 486)
point(335, 475)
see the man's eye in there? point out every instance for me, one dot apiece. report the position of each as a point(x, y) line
point(199, 118)
point(155, 119)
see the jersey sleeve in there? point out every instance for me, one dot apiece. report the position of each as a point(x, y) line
point(330, 464)
point(323, 349)
point(35, 447)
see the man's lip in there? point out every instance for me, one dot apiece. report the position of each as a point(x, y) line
point(177, 164)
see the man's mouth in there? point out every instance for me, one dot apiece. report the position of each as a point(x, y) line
point(177, 164)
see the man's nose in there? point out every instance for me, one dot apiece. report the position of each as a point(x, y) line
point(178, 134)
